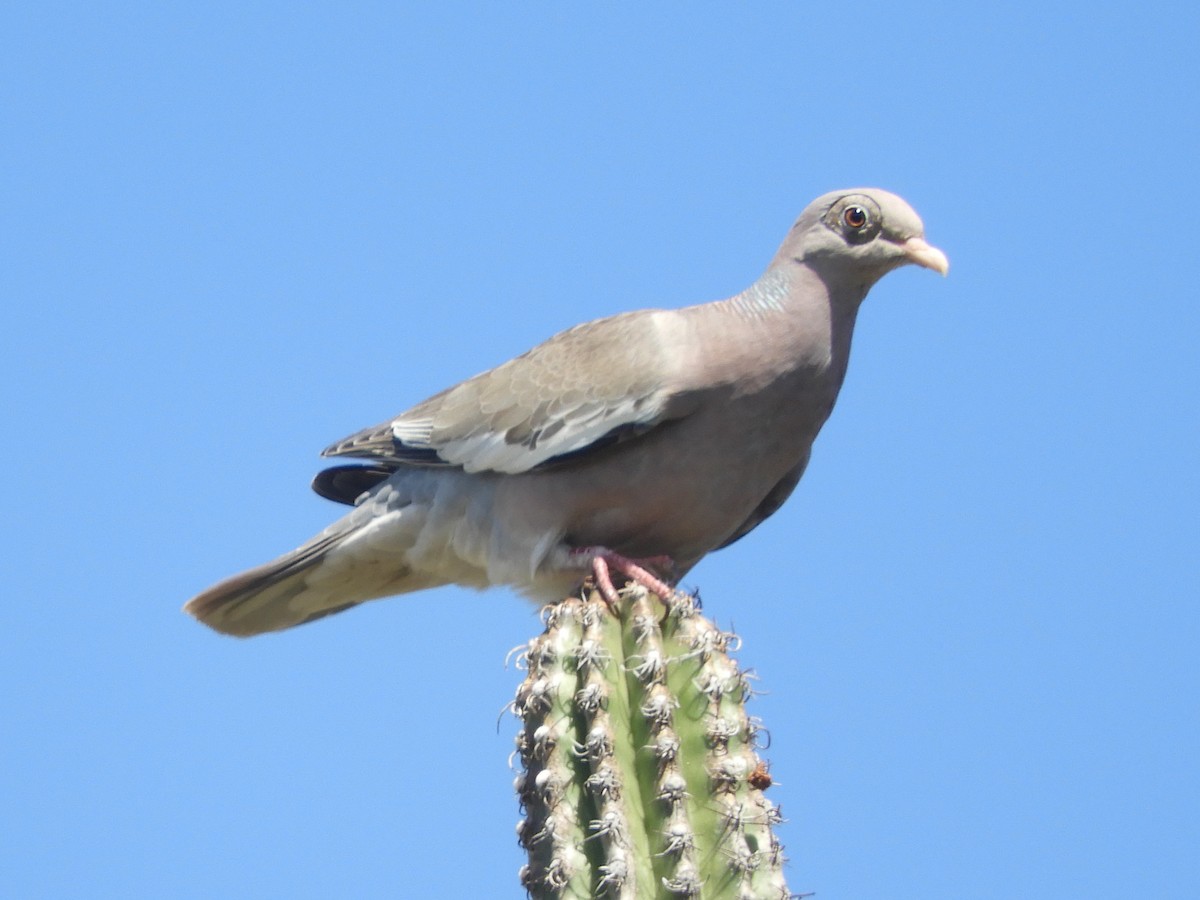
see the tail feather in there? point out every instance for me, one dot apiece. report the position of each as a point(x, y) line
point(311, 582)
point(405, 536)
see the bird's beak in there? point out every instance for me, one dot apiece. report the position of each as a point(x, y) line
point(925, 254)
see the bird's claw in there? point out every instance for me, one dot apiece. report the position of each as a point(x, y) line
point(604, 562)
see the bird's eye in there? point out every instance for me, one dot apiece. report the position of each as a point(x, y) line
point(855, 216)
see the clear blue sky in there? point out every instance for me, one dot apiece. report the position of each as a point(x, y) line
point(235, 232)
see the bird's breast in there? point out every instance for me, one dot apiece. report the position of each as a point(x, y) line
point(683, 488)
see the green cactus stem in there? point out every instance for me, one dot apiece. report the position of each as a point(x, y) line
point(640, 777)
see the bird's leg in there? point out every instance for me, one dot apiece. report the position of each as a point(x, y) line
point(604, 561)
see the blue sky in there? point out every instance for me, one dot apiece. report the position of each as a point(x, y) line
point(233, 233)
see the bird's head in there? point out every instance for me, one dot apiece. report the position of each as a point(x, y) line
point(860, 234)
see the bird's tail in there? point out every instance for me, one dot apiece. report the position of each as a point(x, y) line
point(334, 571)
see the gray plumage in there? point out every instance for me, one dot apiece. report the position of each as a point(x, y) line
point(657, 432)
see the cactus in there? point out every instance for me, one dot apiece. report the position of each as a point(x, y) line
point(640, 776)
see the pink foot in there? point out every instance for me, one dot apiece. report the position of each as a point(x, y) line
point(604, 561)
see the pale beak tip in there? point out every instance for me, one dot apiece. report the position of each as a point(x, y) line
point(919, 251)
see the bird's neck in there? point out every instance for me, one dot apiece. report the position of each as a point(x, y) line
point(765, 299)
point(797, 327)
point(792, 287)
point(794, 302)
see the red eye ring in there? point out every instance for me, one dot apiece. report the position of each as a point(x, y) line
point(854, 216)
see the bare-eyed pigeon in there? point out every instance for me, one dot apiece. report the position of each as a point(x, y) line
point(657, 435)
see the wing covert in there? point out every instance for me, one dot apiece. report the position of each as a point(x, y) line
point(591, 385)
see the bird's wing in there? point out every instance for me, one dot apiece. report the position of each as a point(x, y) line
point(585, 388)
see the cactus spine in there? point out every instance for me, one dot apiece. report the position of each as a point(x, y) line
point(640, 777)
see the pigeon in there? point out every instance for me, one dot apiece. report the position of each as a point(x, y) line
point(634, 444)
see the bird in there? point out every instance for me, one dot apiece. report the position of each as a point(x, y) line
point(634, 444)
